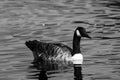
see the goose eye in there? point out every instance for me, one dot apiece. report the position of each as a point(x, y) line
point(78, 33)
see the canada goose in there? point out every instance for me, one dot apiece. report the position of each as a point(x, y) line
point(56, 51)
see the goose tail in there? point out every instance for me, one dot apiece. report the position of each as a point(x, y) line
point(31, 44)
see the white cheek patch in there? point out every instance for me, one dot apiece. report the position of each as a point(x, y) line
point(78, 33)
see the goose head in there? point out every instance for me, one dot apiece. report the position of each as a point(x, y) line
point(78, 34)
point(81, 32)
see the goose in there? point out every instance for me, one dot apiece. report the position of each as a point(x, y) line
point(43, 51)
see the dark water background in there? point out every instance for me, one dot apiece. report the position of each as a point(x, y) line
point(55, 21)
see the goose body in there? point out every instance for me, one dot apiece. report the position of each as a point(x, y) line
point(43, 51)
point(49, 51)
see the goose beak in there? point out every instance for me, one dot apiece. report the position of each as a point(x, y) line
point(87, 36)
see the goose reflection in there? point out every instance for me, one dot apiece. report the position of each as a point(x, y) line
point(46, 72)
point(43, 75)
point(37, 72)
point(78, 73)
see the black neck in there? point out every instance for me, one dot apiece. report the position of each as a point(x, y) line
point(76, 44)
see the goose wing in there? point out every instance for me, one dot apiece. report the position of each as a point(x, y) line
point(63, 47)
point(49, 50)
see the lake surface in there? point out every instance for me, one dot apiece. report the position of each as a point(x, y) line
point(55, 21)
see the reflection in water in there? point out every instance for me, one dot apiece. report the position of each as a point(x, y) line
point(78, 72)
point(41, 72)
point(43, 75)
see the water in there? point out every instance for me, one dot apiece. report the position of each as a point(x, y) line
point(55, 21)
